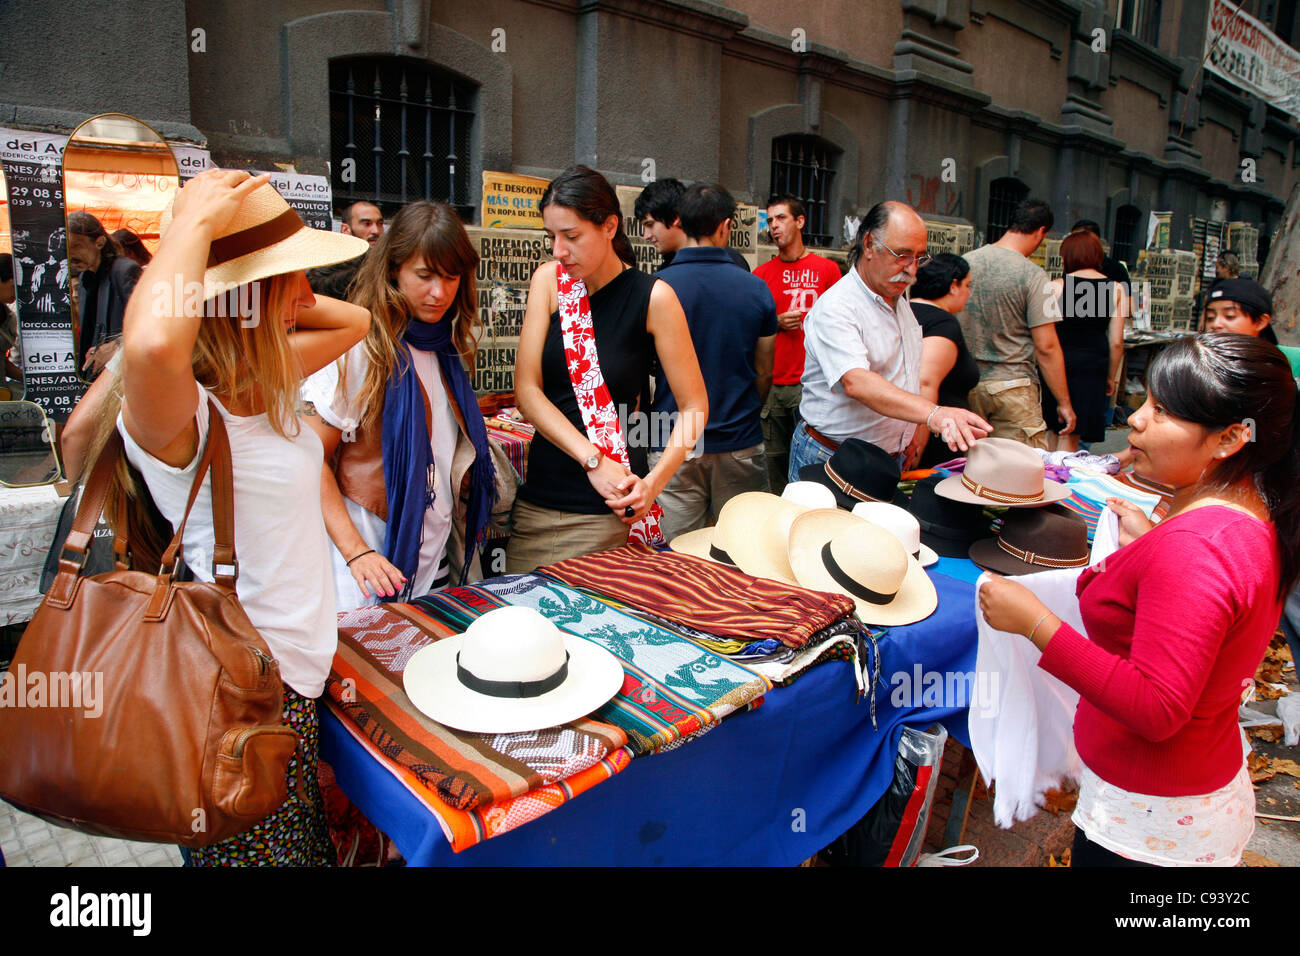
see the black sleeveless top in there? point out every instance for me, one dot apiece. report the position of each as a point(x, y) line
point(626, 351)
point(1086, 306)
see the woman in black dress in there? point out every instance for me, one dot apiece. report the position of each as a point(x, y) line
point(1091, 332)
point(948, 371)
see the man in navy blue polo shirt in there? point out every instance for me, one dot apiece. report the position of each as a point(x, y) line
point(732, 318)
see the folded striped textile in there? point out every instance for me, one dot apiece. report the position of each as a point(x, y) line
point(514, 438)
point(672, 687)
point(465, 770)
point(704, 595)
point(465, 828)
point(1089, 491)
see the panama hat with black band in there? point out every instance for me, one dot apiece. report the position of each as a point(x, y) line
point(751, 535)
point(267, 238)
point(511, 671)
point(858, 471)
point(834, 551)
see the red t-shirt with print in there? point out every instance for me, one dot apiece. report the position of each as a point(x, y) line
point(795, 286)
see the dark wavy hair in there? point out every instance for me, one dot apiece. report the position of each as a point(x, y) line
point(84, 224)
point(1219, 379)
point(590, 195)
point(935, 279)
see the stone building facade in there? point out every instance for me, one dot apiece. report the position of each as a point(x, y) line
point(956, 106)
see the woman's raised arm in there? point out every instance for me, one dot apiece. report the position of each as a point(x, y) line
point(158, 333)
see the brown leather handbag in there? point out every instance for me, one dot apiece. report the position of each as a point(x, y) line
point(140, 706)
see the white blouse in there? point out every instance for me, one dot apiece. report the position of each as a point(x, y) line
point(343, 412)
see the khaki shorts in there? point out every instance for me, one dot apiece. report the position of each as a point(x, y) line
point(1013, 407)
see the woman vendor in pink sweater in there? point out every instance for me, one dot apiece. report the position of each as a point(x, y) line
point(1180, 616)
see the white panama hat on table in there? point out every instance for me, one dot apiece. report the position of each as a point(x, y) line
point(751, 535)
point(512, 670)
point(901, 524)
point(836, 551)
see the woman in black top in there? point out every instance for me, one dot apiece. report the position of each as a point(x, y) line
point(577, 498)
point(948, 371)
point(1091, 333)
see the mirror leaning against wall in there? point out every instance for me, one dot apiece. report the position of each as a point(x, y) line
point(118, 177)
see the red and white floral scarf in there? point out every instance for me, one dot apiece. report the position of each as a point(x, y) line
point(594, 401)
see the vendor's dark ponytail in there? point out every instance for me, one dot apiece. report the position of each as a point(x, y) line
point(590, 195)
point(1223, 378)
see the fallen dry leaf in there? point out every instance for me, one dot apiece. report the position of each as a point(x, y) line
point(1297, 784)
point(1056, 801)
point(1269, 691)
point(1261, 768)
point(1269, 732)
point(1268, 671)
point(1064, 861)
point(1251, 858)
point(1288, 767)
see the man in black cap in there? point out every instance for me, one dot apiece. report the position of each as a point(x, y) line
point(1244, 306)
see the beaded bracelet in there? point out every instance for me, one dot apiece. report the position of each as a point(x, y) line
point(361, 555)
point(1046, 615)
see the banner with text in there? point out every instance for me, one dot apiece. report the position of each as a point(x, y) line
point(1250, 56)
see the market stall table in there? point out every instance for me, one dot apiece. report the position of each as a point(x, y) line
point(770, 786)
point(28, 519)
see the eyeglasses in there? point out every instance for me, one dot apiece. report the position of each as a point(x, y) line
point(921, 261)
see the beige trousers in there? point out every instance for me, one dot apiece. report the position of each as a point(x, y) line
point(543, 536)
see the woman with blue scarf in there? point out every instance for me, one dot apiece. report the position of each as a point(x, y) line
point(409, 484)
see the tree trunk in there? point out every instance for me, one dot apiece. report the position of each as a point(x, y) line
point(1281, 274)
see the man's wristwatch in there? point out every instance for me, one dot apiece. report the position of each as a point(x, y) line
point(592, 463)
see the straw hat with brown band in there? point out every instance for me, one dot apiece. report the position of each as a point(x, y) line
point(1002, 472)
point(266, 238)
point(835, 551)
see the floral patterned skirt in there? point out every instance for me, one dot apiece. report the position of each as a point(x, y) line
point(295, 834)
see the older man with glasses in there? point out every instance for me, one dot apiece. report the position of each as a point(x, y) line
point(862, 370)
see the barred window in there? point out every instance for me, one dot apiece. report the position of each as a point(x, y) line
point(1004, 194)
point(804, 167)
point(400, 131)
point(1140, 18)
point(1126, 225)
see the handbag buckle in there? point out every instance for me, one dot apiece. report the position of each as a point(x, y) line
point(79, 558)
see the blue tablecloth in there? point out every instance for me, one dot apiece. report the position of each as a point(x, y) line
point(771, 786)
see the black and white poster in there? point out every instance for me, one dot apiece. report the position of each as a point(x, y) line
point(33, 173)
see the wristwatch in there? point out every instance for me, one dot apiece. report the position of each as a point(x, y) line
point(592, 463)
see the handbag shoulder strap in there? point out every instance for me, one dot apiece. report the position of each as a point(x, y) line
point(216, 454)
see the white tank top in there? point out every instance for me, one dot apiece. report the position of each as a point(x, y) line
point(285, 583)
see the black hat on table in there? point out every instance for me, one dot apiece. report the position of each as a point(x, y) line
point(1032, 540)
point(858, 471)
point(949, 527)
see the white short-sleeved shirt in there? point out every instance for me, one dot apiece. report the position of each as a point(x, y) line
point(280, 541)
point(343, 412)
point(852, 327)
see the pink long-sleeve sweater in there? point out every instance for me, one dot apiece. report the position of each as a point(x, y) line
point(1179, 620)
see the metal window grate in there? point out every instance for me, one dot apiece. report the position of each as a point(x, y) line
point(1004, 194)
point(405, 128)
point(804, 166)
point(1126, 223)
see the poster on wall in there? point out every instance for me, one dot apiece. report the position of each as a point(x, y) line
point(507, 260)
point(647, 256)
point(310, 196)
point(33, 174)
point(511, 201)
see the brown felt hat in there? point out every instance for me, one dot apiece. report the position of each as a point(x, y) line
point(1041, 539)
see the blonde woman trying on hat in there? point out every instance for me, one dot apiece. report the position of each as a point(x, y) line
point(1179, 617)
point(228, 230)
point(409, 482)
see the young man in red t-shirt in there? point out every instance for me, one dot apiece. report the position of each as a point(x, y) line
point(796, 277)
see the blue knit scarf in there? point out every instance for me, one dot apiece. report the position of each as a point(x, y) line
point(408, 457)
